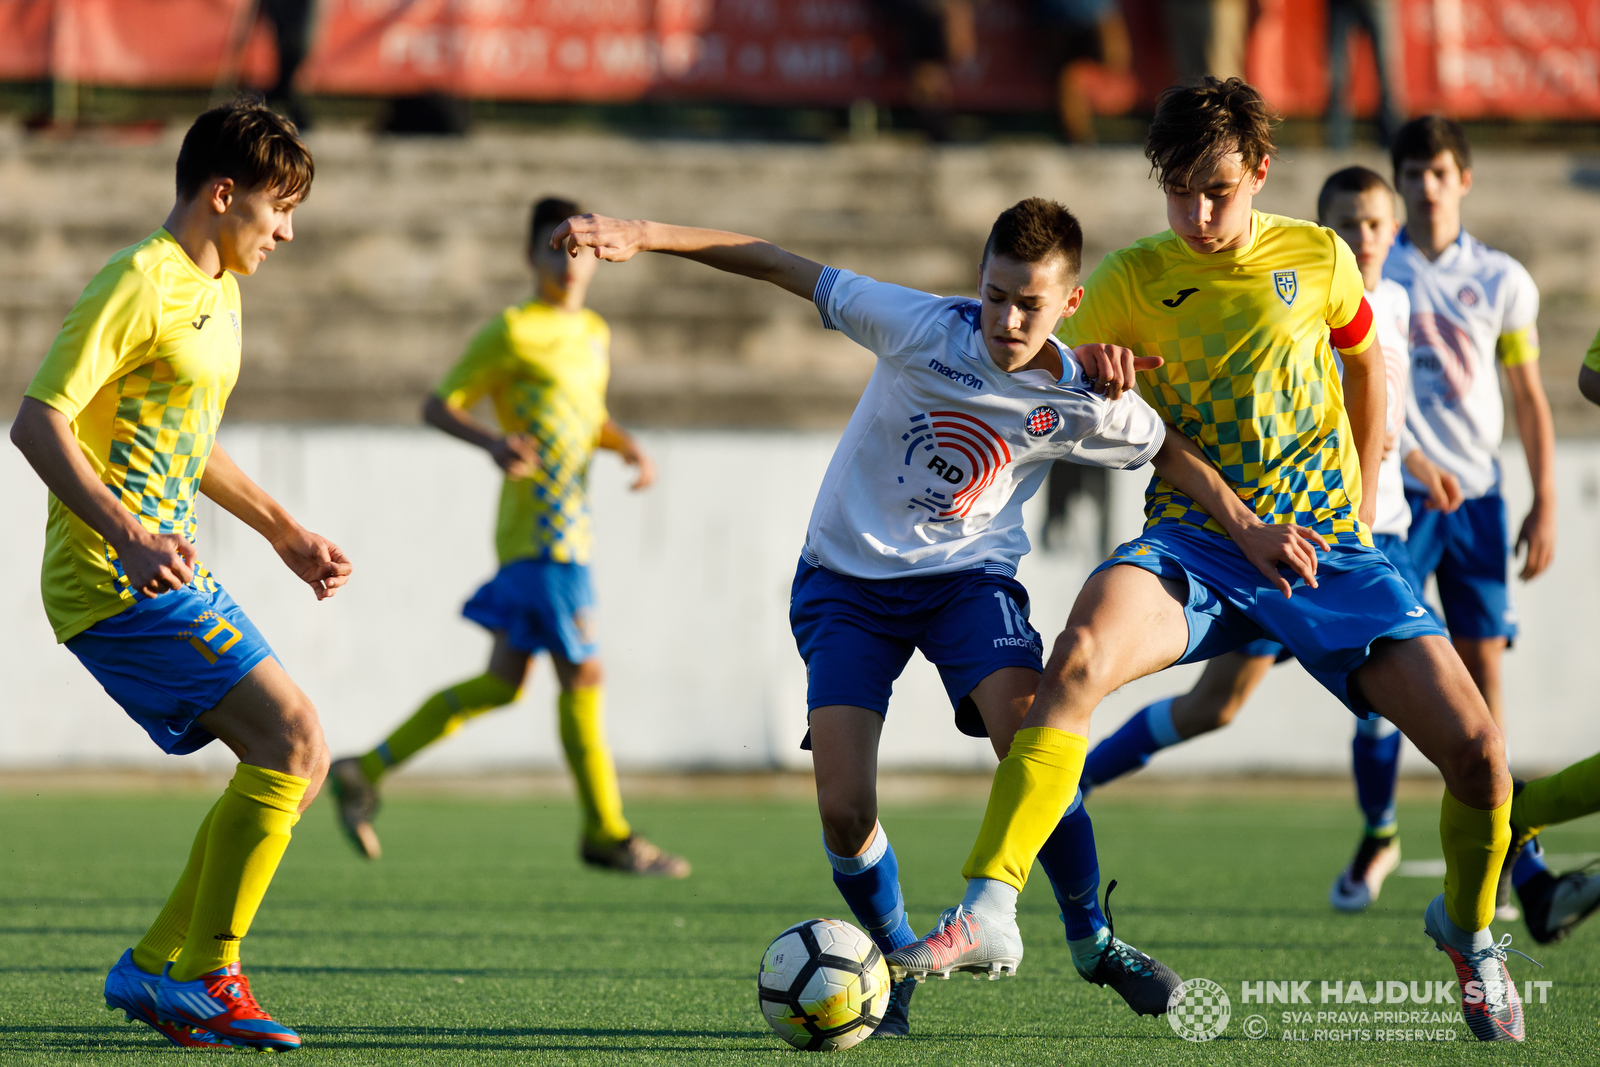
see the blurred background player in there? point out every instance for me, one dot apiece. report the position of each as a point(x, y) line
point(1473, 310)
point(120, 422)
point(915, 535)
point(1380, 20)
point(545, 365)
point(1358, 205)
point(1085, 43)
point(1248, 306)
point(936, 38)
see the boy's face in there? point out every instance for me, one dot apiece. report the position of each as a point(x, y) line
point(556, 272)
point(1433, 189)
point(1366, 222)
point(1021, 304)
point(1212, 212)
point(250, 223)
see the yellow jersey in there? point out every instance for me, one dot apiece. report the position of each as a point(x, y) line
point(545, 371)
point(1250, 377)
point(142, 367)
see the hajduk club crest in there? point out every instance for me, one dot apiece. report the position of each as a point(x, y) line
point(1041, 421)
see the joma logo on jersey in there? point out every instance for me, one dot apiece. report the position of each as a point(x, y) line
point(1287, 285)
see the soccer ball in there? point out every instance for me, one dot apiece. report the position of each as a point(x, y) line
point(823, 985)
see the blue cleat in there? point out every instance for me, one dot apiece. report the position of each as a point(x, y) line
point(897, 1015)
point(221, 1002)
point(133, 992)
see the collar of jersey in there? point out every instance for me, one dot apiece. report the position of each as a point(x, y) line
point(182, 257)
point(988, 363)
point(1232, 255)
point(1457, 248)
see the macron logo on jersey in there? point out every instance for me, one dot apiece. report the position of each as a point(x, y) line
point(966, 453)
point(971, 381)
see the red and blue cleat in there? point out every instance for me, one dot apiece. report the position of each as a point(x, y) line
point(221, 1003)
point(133, 992)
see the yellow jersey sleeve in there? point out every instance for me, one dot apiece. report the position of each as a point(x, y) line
point(1102, 316)
point(113, 328)
point(1592, 358)
point(1352, 327)
point(483, 368)
point(1522, 346)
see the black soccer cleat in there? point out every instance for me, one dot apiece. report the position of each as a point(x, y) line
point(897, 1014)
point(1553, 904)
point(1143, 981)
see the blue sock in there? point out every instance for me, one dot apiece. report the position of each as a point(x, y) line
point(1375, 755)
point(1148, 732)
point(1530, 861)
point(1069, 860)
point(870, 884)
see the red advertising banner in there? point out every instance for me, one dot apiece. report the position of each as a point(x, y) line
point(1514, 58)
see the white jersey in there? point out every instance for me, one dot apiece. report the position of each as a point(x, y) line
point(1391, 310)
point(1468, 307)
point(944, 448)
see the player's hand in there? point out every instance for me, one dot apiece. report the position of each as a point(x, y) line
point(616, 240)
point(644, 468)
point(1444, 489)
point(1112, 367)
point(1538, 534)
point(319, 562)
point(515, 454)
point(156, 563)
point(1273, 545)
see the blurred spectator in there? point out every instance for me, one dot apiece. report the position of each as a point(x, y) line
point(1207, 37)
point(1085, 44)
point(291, 25)
point(935, 37)
point(1377, 17)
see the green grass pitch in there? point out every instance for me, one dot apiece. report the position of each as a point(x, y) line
point(478, 939)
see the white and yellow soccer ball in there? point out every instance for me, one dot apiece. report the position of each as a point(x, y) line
point(823, 985)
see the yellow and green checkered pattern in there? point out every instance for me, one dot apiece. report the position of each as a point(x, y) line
point(560, 529)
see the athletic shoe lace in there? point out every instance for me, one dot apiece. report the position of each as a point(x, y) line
point(234, 990)
point(1497, 987)
point(950, 936)
point(1130, 958)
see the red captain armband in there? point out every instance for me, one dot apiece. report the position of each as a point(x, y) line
point(1355, 335)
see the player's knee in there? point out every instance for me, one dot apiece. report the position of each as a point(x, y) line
point(1074, 661)
point(306, 751)
point(1475, 769)
point(587, 675)
point(847, 823)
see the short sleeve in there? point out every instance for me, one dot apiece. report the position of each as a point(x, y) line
point(1592, 358)
point(481, 367)
point(1518, 342)
point(1129, 435)
point(885, 319)
point(1351, 324)
point(1102, 315)
point(113, 328)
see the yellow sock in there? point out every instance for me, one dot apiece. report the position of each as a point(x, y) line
point(1568, 794)
point(1032, 787)
point(161, 942)
point(440, 716)
point(1475, 844)
point(249, 831)
point(583, 737)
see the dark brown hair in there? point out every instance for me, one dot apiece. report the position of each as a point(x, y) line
point(1426, 137)
point(549, 213)
point(1196, 125)
point(250, 143)
point(1035, 229)
point(1350, 180)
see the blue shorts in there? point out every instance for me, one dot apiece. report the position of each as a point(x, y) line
point(169, 659)
point(539, 604)
point(1393, 547)
point(856, 635)
point(1468, 552)
point(1360, 598)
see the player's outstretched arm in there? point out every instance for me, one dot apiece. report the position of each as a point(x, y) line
point(154, 563)
point(614, 438)
point(619, 240)
point(1538, 433)
point(319, 562)
point(513, 453)
point(1267, 545)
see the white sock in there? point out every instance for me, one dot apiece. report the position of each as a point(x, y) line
point(990, 896)
point(864, 862)
point(1459, 939)
point(1158, 718)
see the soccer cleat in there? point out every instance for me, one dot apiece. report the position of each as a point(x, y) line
point(1555, 903)
point(897, 1014)
point(962, 941)
point(1142, 980)
point(133, 992)
point(1359, 884)
point(221, 1002)
point(634, 855)
point(1489, 1001)
point(358, 805)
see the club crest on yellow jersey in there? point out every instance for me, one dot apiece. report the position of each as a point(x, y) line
point(1287, 285)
